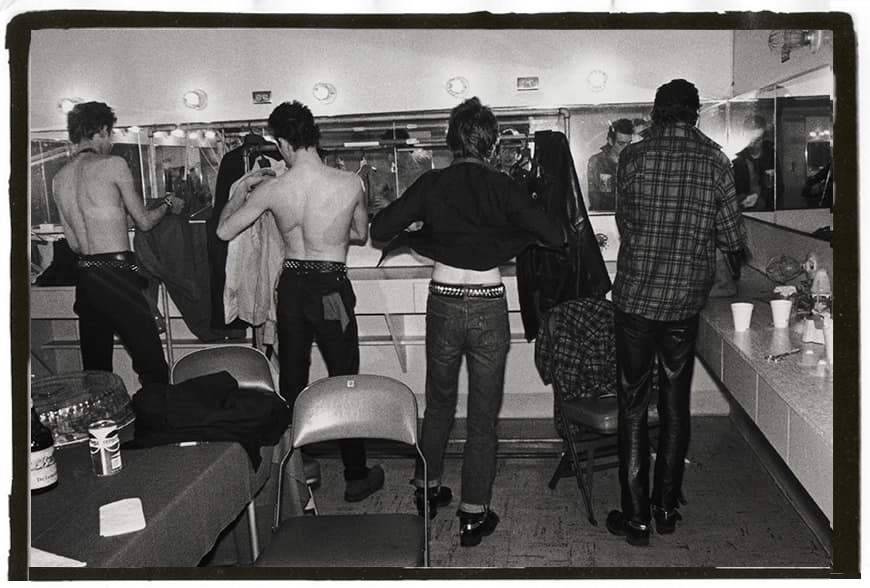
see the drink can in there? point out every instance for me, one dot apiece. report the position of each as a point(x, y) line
point(105, 447)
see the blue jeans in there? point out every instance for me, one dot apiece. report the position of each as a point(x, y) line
point(476, 328)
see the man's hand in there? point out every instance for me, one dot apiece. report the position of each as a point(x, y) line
point(253, 178)
point(749, 201)
point(176, 204)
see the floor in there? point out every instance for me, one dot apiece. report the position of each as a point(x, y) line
point(736, 516)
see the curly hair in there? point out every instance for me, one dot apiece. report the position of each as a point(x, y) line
point(473, 130)
point(87, 119)
point(293, 122)
point(676, 101)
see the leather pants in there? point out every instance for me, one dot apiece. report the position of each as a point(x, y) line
point(664, 350)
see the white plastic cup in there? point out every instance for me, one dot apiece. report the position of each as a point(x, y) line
point(781, 311)
point(741, 312)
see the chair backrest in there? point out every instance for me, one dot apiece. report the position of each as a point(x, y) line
point(363, 406)
point(249, 366)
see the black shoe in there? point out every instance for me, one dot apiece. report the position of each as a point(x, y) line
point(356, 490)
point(474, 526)
point(666, 520)
point(440, 496)
point(634, 532)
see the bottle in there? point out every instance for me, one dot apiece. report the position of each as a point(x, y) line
point(821, 291)
point(43, 467)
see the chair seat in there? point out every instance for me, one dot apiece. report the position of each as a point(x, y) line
point(600, 413)
point(376, 540)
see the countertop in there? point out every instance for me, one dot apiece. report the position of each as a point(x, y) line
point(797, 379)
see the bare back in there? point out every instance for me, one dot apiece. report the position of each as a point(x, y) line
point(318, 210)
point(88, 192)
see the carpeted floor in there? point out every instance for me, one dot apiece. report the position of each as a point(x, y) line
point(736, 516)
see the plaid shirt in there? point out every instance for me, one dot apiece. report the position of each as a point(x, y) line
point(575, 350)
point(675, 205)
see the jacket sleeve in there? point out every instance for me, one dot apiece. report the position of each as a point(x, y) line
point(522, 213)
point(401, 213)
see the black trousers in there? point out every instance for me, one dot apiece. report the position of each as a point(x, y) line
point(640, 343)
point(109, 300)
point(319, 306)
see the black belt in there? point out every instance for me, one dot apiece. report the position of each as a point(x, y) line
point(117, 260)
point(466, 290)
point(313, 266)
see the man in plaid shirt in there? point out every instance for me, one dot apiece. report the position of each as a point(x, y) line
point(675, 205)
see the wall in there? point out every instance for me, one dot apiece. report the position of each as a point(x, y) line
point(142, 73)
point(756, 66)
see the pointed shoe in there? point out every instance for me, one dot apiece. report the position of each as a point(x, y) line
point(635, 533)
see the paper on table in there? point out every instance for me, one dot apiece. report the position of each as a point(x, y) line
point(122, 516)
point(45, 559)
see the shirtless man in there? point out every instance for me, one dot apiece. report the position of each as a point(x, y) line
point(319, 211)
point(94, 193)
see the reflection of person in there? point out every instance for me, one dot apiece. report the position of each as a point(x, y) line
point(641, 125)
point(94, 193)
point(673, 211)
point(754, 167)
point(819, 188)
point(474, 219)
point(319, 211)
point(601, 168)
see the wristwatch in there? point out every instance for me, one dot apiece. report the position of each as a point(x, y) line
point(167, 202)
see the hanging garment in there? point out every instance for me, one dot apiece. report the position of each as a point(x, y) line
point(546, 277)
point(253, 266)
point(174, 253)
point(232, 167)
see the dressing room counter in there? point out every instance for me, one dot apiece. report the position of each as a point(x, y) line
point(791, 401)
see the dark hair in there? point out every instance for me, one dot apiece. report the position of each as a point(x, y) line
point(623, 126)
point(293, 122)
point(87, 119)
point(473, 130)
point(676, 101)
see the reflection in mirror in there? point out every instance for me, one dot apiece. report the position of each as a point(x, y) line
point(781, 144)
point(598, 134)
point(186, 166)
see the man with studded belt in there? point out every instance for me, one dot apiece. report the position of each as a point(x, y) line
point(319, 211)
point(94, 194)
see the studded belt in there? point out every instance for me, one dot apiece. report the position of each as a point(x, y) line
point(466, 290)
point(309, 266)
point(122, 260)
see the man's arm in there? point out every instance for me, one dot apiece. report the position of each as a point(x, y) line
point(400, 214)
point(145, 219)
point(244, 206)
point(359, 227)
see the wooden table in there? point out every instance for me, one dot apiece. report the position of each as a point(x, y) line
point(189, 495)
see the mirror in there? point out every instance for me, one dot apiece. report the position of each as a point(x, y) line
point(781, 142)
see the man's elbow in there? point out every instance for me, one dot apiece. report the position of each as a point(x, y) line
point(223, 233)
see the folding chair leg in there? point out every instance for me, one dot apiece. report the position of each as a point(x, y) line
point(578, 474)
point(563, 469)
